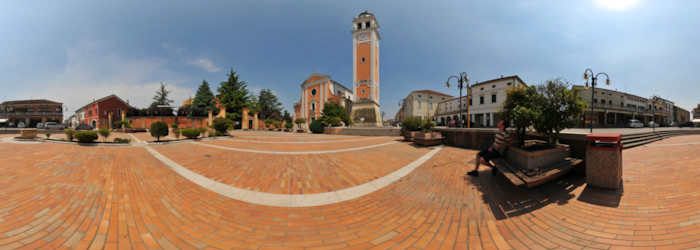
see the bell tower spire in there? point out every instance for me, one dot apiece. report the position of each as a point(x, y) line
point(365, 78)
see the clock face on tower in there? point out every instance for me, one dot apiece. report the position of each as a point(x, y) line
point(363, 37)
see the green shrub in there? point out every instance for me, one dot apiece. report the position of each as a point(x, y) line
point(174, 125)
point(288, 125)
point(104, 132)
point(316, 127)
point(69, 134)
point(120, 140)
point(299, 121)
point(222, 125)
point(191, 133)
point(159, 129)
point(177, 133)
point(48, 134)
point(427, 125)
point(412, 123)
point(203, 130)
point(85, 136)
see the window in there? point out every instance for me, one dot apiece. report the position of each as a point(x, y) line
point(493, 86)
point(610, 102)
point(364, 91)
point(482, 88)
point(418, 96)
point(313, 92)
point(363, 60)
point(481, 99)
point(470, 101)
point(58, 109)
point(602, 101)
point(622, 104)
point(313, 106)
point(359, 26)
point(431, 105)
point(367, 24)
point(119, 111)
point(509, 83)
point(419, 104)
point(595, 100)
point(493, 98)
point(90, 112)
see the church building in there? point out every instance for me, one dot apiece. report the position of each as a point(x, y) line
point(362, 102)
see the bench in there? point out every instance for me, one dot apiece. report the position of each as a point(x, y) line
point(521, 178)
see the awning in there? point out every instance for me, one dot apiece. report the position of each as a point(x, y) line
point(3, 120)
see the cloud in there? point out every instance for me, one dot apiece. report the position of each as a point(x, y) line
point(93, 71)
point(205, 64)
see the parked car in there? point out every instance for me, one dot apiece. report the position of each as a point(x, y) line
point(653, 124)
point(40, 125)
point(20, 125)
point(686, 124)
point(53, 126)
point(671, 124)
point(633, 123)
point(83, 126)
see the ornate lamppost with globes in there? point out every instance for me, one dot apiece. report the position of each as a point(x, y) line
point(588, 73)
point(461, 81)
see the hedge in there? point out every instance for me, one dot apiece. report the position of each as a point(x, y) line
point(85, 136)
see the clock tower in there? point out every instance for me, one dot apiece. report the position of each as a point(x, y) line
point(365, 77)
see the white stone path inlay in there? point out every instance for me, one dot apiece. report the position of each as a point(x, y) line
point(295, 142)
point(294, 153)
point(293, 200)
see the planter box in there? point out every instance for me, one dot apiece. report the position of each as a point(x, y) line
point(409, 135)
point(529, 160)
point(288, 130)
point(28, 133)
point(300, 131)
point(427, 139)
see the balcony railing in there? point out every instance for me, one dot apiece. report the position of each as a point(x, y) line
point(32, 113)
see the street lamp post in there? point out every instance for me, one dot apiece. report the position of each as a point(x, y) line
point(594, 77)
point(654, 100)
point(461, 80)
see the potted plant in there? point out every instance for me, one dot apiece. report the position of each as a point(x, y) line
point(288, 126)
point(427, 136)
point(300, 121)
point(410, 126)
point(549, 109)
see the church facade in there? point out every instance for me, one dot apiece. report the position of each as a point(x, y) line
point(362, 102)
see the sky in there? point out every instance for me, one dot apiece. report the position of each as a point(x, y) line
point(77, 51)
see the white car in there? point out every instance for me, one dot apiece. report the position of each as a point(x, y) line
point(632, 123)
point(20, 125)
point(653, 124)
point(40, 125)
point(53, 126)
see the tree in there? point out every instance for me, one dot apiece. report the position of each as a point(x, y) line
point(299, 121)
point(334, 110)
point(522, 108)
point(560, 108)
point(203, 99)
point(161, 97)
point(104, 132)
point(286, 117)
point(222, 125)
point(159, 129)
point(270, 107)
point(233, 94)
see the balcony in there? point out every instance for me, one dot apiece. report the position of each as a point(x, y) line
point(32, 113)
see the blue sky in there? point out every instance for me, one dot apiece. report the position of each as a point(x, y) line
point(75, 51)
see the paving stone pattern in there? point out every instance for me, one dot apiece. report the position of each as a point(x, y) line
point(55, 196)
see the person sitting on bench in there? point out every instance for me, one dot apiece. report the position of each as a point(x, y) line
point(500, 143)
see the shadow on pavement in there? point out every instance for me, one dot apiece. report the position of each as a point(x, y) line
point(506, 200)
point(602, 196)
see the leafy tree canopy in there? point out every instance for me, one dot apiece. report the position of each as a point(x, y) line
point(286, 117)
point(335, 110)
